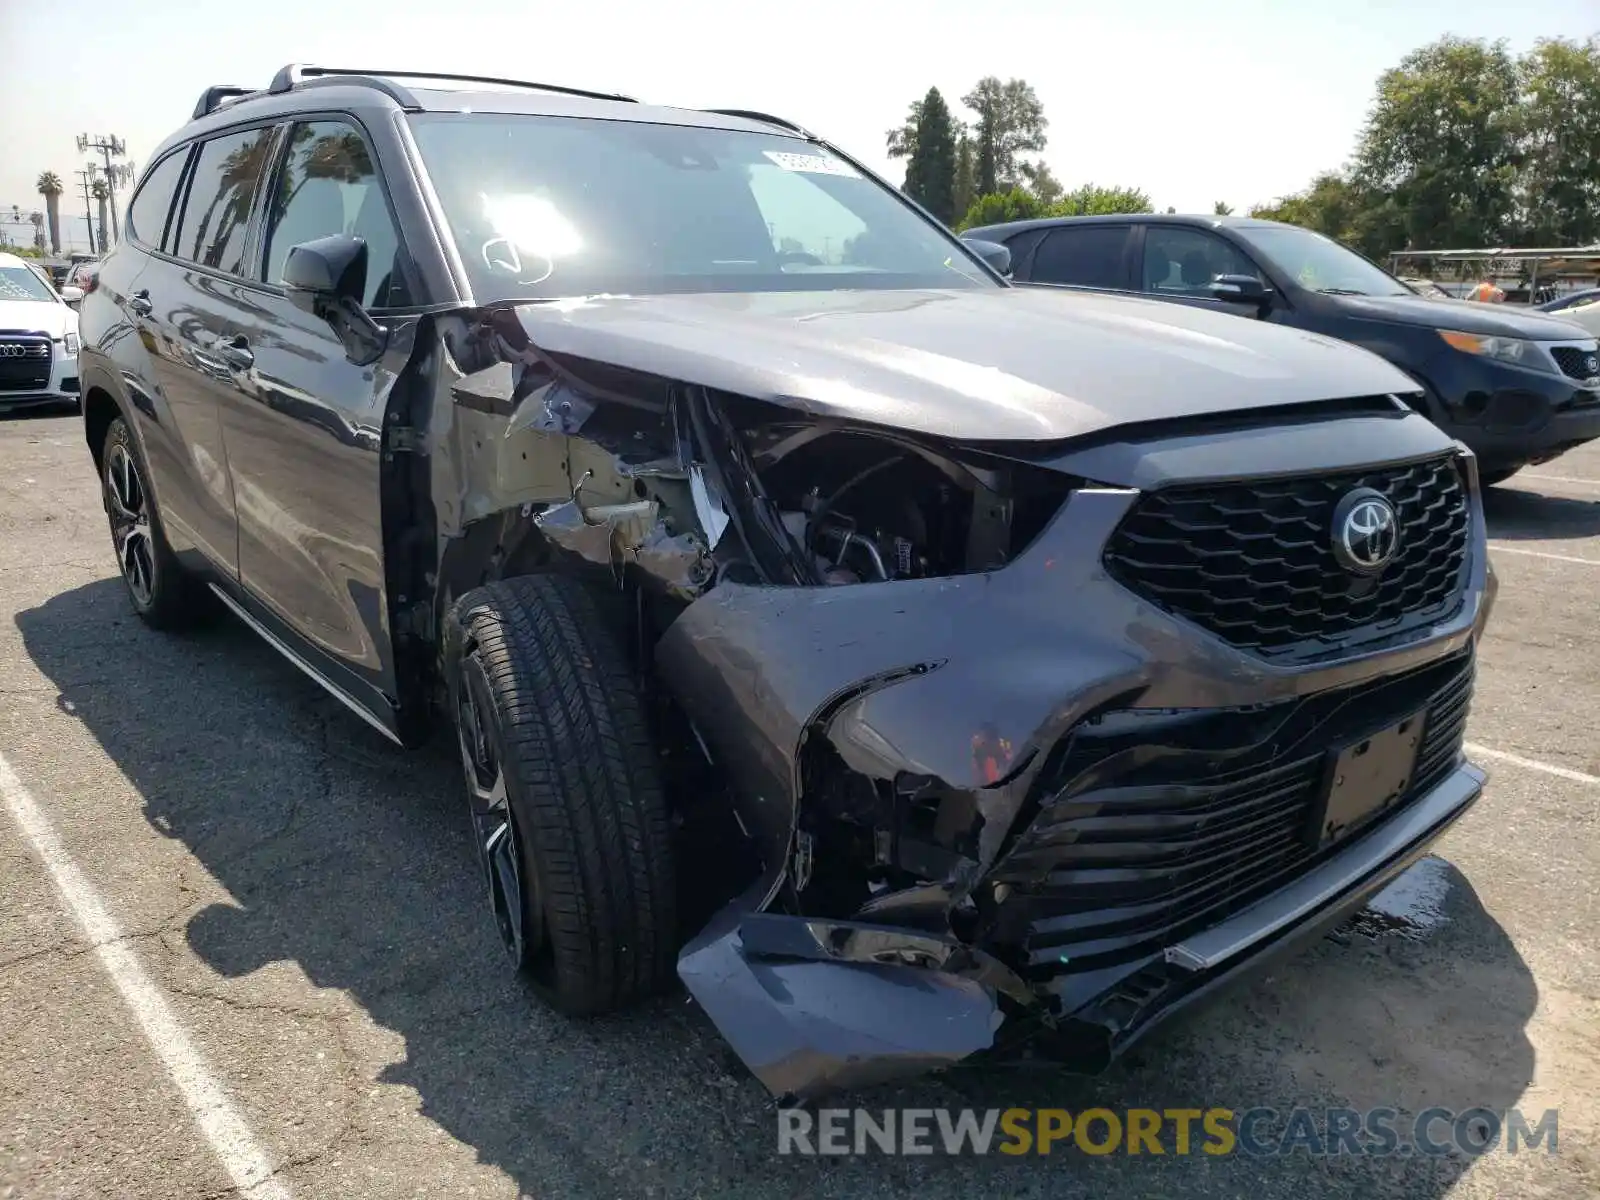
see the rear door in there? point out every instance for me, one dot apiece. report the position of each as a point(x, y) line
point(186, 298)
point(303, 423)
point(1098, 256)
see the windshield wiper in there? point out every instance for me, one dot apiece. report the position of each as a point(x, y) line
point(1341, 292)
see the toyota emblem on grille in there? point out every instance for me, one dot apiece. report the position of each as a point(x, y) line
point(12, 351)
point(1366, 532)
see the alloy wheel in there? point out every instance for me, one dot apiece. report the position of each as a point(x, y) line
point(513, 896)
point(128, 505)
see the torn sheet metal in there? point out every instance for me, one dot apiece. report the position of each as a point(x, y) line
point(901, 677)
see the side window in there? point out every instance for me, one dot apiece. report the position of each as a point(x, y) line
point(147, 214)
point(328, 186)
point(217, 212)
point(1085, 255)
point(1182, 262)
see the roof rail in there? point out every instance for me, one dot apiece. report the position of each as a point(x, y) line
point(297, 74)
point(751, 115)
point(211, 99)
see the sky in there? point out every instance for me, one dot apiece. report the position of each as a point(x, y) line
point(1237, 100)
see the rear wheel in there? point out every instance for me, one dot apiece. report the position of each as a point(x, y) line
point(161, 592)
point(568, 812)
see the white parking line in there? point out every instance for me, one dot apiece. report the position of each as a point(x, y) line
point(235, 1146)
point(1502, 548)
point(1531, 764)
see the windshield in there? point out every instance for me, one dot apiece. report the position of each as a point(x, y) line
point(1318, 263)
point(563, 206)
point(19, 283)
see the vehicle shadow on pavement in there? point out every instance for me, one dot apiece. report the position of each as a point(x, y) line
point(351, 859)
point(1517, 515)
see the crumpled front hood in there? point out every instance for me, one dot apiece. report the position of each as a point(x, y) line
point(37, 316)
point(1467, 316)
point(1010, 364)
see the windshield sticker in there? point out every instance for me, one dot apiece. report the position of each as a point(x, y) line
point(812, 164)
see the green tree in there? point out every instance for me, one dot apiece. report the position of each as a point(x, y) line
point(1334, 204)
point(1015, 204)
point(928, 143)
point(1010, 123)
point(1558, 184)
point(1222, 209)
point(49, 186)
point(966, 182)
point(1042, 183)
point(1442, 141)
point(1092, 201)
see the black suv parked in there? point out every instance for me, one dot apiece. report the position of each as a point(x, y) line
point(927, 650)
point(1515, 385)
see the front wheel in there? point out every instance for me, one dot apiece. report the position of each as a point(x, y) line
point(568, 812)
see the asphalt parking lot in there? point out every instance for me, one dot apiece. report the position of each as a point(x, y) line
point(295, 972)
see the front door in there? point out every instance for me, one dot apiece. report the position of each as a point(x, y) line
point(1180, 263)
point(303, 423)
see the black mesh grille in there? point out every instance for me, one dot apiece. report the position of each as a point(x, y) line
point(1576, 363)
point(1254, 562)
point(1133, 853)
point(24, 364)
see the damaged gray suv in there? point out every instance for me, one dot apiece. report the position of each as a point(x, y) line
point(913, 664)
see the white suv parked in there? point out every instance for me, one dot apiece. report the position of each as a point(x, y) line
point(38, 339)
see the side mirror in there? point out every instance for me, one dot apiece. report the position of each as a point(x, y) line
point(71, 294)
point(327, 278)
point(997, 256)
point(329, 268)
point(1240, 289)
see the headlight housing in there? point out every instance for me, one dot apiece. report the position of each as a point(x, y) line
point(1503, 349)
point(71, 342)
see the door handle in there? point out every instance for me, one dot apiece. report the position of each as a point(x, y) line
point(139, 302)
point(236, 352)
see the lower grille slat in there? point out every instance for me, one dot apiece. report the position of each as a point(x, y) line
point(1107, 874)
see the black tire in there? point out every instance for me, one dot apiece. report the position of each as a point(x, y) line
point(569, 815)
point(161, 592)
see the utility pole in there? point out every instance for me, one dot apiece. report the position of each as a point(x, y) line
point(86, 178)
point(109, 148)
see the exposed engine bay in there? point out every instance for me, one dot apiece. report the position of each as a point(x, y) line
point(867, 509)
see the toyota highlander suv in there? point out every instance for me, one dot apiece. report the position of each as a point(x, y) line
point(1516, 385)
point(913, 664)
point(38, 339)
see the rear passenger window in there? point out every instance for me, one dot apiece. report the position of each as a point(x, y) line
point(1084, 255)
point(328, 186)
point(147, 215)
point(217, 212)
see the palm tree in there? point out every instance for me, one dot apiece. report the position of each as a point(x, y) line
point(102, 193)
point(240, 170)
point(49, 186)
point(37, 219)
